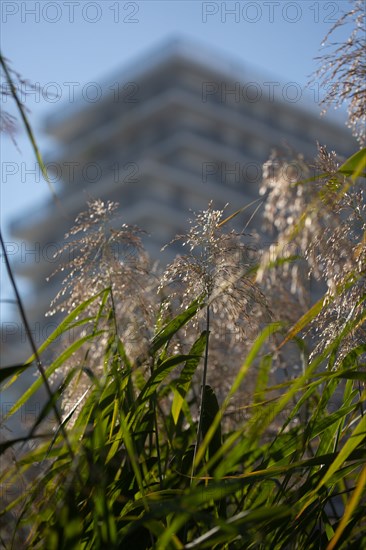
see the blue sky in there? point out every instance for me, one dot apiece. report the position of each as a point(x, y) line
point(53, 43)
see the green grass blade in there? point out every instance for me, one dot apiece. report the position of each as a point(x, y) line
point(59, 361)
point(183, 383)
point(166, 333)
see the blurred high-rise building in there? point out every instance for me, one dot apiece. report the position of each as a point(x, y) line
point(177, 128)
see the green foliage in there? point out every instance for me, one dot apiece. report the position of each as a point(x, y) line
point(267, 482)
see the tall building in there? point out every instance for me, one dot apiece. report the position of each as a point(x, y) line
point(177, 128)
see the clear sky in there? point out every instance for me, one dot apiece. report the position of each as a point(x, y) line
point(53, 43)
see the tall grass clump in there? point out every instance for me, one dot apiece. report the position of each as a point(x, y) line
point(211, 404)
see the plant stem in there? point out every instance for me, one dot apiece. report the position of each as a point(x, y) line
point(34, 348)
point(30, 134)
point(153, 402)
point(204, 377)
